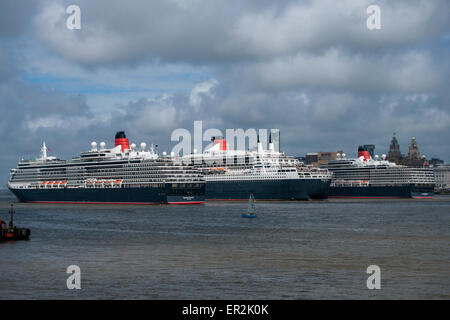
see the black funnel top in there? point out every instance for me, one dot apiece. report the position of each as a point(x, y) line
point(120, 134)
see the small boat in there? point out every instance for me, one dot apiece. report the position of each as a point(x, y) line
point(11, 232)
point(251, 210)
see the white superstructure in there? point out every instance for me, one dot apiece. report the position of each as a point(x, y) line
point(218, 163)
point(365, 171)
point(116, 167)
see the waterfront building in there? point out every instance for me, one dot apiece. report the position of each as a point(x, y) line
point(321, 158)
point(394, 154)
point(442, 177)
point(412, 159)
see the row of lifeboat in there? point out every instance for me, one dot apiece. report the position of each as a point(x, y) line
point(351, 182)
point(50, 184)
point(53, 183)
point(91, 182)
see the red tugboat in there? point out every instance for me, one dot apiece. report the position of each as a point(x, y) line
point(11, 232)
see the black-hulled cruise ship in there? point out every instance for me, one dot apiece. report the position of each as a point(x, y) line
point(365, 177)
point(120, 175)
point(267, 174)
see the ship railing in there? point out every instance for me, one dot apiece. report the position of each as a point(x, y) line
point(108, 183)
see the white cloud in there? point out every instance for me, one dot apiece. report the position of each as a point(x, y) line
point(200, 90)
point(153, 115)
point(64, 123)
point(125, 33)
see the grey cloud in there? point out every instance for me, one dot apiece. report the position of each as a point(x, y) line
point(310, 120)
point(6, 69)
point(124, 33)
point(410, 71)
point(16, 17)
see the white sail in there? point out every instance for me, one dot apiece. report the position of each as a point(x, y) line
point(251, 204)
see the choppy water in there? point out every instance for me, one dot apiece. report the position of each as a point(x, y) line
point(295, 250)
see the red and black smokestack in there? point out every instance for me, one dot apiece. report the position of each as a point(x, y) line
point(122, 140)
point(363, 152)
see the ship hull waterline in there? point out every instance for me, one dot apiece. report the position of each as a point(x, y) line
point(276, 190)
point(109, 196)
point(382, 192)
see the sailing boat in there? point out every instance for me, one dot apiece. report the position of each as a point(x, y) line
point(251, 210)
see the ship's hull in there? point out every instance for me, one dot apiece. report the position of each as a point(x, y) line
point(407, 191)
point(160, 195)
point(288, 189)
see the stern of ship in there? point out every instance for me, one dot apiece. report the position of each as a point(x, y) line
point(185, 193)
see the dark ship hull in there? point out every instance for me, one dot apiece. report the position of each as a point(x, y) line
point(292, 189)
point(161, 195)
point(407, 191)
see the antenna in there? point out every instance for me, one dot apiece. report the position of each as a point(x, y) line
point(44, 151)
point(11, 211)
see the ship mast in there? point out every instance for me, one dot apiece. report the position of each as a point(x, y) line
point(44, 151)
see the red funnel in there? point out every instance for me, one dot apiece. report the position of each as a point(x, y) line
point(122, 140)
point(222, 141)
point(362, 152)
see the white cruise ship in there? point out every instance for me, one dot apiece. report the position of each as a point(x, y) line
point(123, 174)
point(269, 175)
point(364, 177)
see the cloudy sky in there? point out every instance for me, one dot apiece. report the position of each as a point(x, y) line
point(310, 68)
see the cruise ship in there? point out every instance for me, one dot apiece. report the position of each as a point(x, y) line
point(267, 174)
point(120, 175)
point(365, 177)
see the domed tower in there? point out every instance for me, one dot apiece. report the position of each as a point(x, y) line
point(394, 154)
point(413, 159)
point(413, 152)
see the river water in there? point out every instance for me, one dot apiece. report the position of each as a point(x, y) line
point(294, 250)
